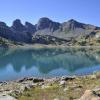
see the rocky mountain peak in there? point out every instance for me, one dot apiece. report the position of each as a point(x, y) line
point(43, 23)
point(72, 25)
point(30, 27)
point(17, 22)
point(72, 21)
point(46, 23)
point(2, 24)
point(28, 24)
point(18, 26)
point(44, 19)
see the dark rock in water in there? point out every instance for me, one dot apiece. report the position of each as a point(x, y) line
point(68, 78)
point(36, 80)
point(22, 80)
point(25, 79)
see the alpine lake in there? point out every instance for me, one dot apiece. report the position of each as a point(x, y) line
point(48, 62)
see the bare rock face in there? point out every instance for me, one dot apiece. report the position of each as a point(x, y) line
point(3, 25)
point(44, 23)
point(30, 28)
point(71, 25)
point(18, 26)
point(5, 31)
point(89, 95)
point(17, 32)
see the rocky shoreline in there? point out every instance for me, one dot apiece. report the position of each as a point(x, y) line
point(77, 88)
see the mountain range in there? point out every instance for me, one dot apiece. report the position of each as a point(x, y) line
point(45, 27)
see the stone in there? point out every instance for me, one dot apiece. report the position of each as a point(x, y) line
point(17, 92)
point(22, 88)
point(62, 83)
point(67, 78)
point(65, 89)
point(56, 99)
point(29, 86)
point(93, 77)
point(89, 95)
point(22, 80)
point(98, 75)
point(7, 97)
point(96, 89)
point(35, 80)
point(45, 86)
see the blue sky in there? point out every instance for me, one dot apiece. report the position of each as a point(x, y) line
point(87, 11)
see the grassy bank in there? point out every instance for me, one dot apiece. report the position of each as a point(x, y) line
point(73, 89)
point(63, 88)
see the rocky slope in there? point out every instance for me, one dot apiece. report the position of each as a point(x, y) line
point(48, 28)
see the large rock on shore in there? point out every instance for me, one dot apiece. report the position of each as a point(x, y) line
point(90, 95)
point(7, 97)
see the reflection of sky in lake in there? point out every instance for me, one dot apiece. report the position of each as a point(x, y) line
point(16, 64)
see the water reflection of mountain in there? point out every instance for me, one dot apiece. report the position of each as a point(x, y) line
point(47, 60)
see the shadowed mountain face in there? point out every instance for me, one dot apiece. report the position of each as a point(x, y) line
point(45, 23)
point(45, 26)
point(46, 61)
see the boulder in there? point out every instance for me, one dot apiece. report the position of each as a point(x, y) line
point(89, 95)
point(67, 78)
point(62, 83)
point(7, 97)
point(36, 80)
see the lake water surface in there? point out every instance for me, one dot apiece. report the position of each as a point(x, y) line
point(19, 63)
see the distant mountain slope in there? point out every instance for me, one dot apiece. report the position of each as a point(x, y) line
point(45, 26)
